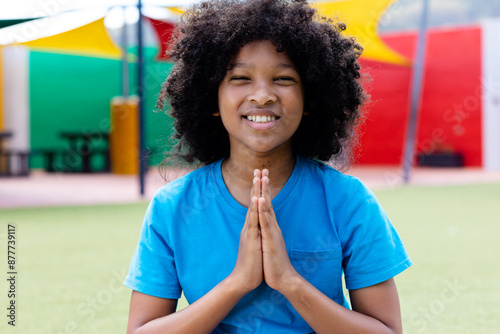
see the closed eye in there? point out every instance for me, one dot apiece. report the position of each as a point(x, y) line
point(237, 78)
point(285, 80)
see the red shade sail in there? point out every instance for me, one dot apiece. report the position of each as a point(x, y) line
point(164, 32)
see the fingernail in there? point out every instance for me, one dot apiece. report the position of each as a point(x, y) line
point(267, 180)
point(255, 173)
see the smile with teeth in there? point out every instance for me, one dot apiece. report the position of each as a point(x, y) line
point(261, 119)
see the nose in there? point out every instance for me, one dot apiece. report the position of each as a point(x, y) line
point(262, 94)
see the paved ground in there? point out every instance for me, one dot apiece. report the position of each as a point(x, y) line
point(42, 189)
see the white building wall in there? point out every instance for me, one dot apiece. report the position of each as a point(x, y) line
point(491, 94)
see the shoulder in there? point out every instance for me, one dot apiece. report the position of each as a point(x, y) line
point(332, 179)
point(345, 196)
point(186, 185)
point(173, 201)
point(185, 193)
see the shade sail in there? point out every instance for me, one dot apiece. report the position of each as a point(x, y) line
point(361, 17)
point(7, 23)
point(164, 31)
point(89, 40)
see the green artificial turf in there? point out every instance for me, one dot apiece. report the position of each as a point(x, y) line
point(71, 262)
point(452, 235)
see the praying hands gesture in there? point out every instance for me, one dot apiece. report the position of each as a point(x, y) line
point(262, 252)
point(262, 255)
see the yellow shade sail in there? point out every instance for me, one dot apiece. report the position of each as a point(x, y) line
point(361, 17)
point(88, 40)
point(176, 10)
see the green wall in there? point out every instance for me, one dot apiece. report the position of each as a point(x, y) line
point(70, 92)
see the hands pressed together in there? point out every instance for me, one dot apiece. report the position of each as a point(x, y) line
point(262, 255)
point(262, 252)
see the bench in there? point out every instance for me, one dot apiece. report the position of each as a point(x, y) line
point(68, 161)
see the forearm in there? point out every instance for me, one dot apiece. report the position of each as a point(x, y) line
point(200, 317)
point(326, 316)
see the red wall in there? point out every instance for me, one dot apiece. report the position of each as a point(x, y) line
point(450, 116)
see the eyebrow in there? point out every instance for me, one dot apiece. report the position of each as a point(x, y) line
point(250, 66)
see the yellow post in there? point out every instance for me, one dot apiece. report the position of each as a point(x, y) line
point(123, 137)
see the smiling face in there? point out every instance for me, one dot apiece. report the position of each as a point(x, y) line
point(261, 100)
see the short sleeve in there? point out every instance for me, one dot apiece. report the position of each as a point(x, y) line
point(372, 250)
point(152, 270)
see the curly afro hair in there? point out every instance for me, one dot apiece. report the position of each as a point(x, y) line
point(212, 32)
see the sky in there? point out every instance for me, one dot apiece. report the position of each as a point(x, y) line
point(405, 14)
point(13, 9)
point(70, 14)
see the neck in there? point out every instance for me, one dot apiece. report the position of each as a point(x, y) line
point(238, 169)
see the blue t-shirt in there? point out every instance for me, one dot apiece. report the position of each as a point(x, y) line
point(332, 225)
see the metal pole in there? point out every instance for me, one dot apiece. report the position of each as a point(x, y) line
point(124, 56)
point(140, 95)
point(416, 93)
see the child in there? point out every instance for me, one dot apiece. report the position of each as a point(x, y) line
point(259, 237)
